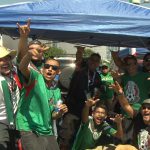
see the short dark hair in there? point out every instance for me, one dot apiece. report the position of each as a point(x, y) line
point(35, 42)
point(49, 58)
point(129, 57)
point(100, 105)
point(95, 54)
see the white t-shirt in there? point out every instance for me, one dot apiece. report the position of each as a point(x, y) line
point(15, 96)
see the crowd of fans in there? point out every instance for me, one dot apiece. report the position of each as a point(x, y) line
point(103, 109)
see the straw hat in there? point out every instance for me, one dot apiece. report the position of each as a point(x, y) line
point(7, 52)
point(146, 101)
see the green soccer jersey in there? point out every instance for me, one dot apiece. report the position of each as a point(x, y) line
point(136, 88)
point(107, 80)
point(87, 135)
point(36, 106)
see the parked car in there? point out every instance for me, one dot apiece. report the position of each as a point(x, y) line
point(66, 61)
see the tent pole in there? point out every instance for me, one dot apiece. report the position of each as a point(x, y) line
point(1, 40)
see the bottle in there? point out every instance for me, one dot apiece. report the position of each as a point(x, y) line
point(57, 105)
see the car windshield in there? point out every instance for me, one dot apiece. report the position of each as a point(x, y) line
point(66, 62)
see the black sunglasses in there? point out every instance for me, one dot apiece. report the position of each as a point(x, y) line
point(47, 66)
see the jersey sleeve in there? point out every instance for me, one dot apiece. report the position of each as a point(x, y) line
point(107, 129)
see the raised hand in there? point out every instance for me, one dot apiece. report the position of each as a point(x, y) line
point(24, 30)
point(116, 87)
point(118, 118)
point(39, 48)
point(80, 48)
point(34, 52)
point(115, 74)
point(91, 102)
point(45, 48)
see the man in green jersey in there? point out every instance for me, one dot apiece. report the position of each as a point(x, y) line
point(141, 119)
point(136, 87)
point(36, 109)
point(92, 127)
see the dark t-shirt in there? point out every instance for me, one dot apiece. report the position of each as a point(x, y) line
point(141, 133)
point(77, 92)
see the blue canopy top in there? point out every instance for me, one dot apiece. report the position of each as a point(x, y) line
point(98, 22)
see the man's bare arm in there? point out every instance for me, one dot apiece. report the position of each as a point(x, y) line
point(23, 41)
point(122, 99)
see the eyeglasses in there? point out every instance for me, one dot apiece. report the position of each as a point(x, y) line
point(47, 66)
point(144, 107)
point(147, 60)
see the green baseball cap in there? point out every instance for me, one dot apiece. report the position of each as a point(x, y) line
point(105, 64)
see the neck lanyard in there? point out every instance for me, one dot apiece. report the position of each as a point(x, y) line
point(91, 81)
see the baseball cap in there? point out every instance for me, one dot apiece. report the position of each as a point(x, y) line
point(105, 64)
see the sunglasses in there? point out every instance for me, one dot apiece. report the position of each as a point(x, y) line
point(144, 107)
point(147, 60)
point(47, 66)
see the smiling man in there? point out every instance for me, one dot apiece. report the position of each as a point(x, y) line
point(93, 127)
point(136, 87)
point(141, 119)
point(36, 111)
point(142, 126)
point(9, 98)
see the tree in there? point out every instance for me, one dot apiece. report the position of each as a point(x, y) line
point(54, 52)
